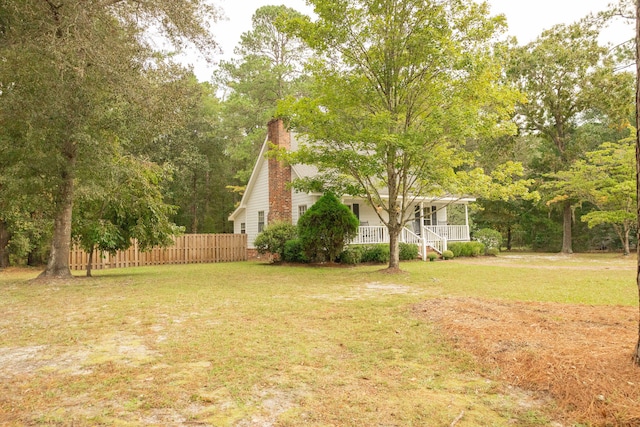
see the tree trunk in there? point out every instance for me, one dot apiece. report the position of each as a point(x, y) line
point(567, 219)
point(627, 248)
point(394, 250)
point(4, 242)
point(509, 238)
point(58, 263)
point(636, 353)
point(90, 262)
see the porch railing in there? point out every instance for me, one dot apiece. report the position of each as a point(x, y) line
point(370, 235)
point(436, 241)
point(450, 232)
point(436, 237)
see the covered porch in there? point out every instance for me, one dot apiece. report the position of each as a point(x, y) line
point(429, 229)
point(431, 237)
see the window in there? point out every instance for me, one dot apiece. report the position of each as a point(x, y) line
point(430, 217)
point(355, 208)
point(301, 210)
point(243, 228)
point(260, 221)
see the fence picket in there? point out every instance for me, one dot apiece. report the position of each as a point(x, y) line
point(187, 249)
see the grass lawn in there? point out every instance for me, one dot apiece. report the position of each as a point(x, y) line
point(250, 344)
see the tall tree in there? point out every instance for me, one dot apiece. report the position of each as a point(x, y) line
point(201, 168)
point(636, 353)
point(78, 74)
point(398, 86)
point(268, 69)
point(564, 74)
point(604, 178)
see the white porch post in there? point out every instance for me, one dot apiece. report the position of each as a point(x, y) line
point(466, 218)
point(423, 237)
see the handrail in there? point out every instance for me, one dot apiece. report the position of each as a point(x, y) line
point(437, 242)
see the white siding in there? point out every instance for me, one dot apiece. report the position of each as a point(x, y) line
point(257, 200)
point(441, 215)
point(298, 199)
point(241, 218)
point(366, 213)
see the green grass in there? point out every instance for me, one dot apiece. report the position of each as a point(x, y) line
point(220, 343)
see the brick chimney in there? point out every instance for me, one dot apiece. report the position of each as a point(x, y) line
point(279, 175)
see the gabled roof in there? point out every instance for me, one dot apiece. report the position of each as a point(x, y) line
point(252, 180)
point(308, 171)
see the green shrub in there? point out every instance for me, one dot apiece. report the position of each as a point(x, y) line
point(447, 254)
point(433, 256)
point(326, 227)
point(476, 248)
point(274, 237)
point(493, 252)
point(408, 251)
point(293, 251)
point(491, 239)
point(466, 249)
point(378, 254)
point(456, 248)
point(352, 255)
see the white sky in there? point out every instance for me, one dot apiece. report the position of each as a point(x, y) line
point(526, 20)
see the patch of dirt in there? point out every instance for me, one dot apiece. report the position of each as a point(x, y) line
point(578, 355)
point(369, 290)
point(525, 261)
point(122, 348)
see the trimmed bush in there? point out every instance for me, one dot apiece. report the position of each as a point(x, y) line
point(408, 251)
point(432, 256)
point(326, 227)
point(447, 254)
point(274, 237)
point(293, 251)
point(352, 255)
point(493, 252)
point(378, 254)
point(466, 249)
point(456, 248)
point(490, 238)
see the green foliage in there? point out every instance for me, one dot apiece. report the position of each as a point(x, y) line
point(564, 73)
point(397, 89)
point(432, 256)
point(408, 251)
point(326, 227)
point(128, 206)
point(293, 252)
point(80, 78)
point(275, 237)
point(466, 249)
point(492, 239)
point(493, 252)
point(447, 254)
point(352, 254)
point(200, 165)
point(456, 248)
point(377, 254)
point(268, 69)
point(606, 179)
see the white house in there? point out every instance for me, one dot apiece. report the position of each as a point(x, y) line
point(268, 198)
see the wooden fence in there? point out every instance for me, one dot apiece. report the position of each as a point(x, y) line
point(188, 249)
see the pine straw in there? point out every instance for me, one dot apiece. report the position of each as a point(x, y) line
point(579, 355)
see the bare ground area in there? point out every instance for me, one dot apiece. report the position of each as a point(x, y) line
point(578, 355)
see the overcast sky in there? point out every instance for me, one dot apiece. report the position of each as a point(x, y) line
point(526, 20)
